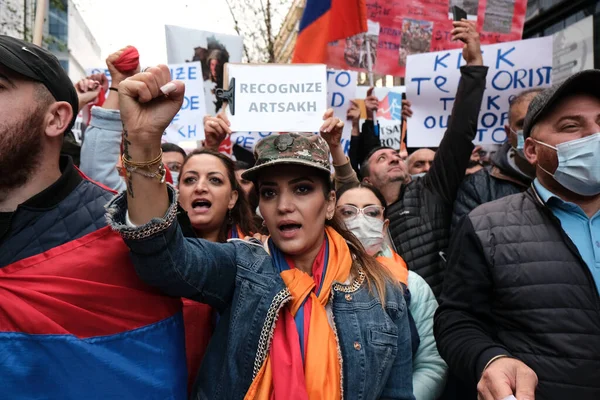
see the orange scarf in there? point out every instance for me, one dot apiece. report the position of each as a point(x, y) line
point(321, 371)
point(396, 265)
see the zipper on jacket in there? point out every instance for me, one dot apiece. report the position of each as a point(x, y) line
point(266, 334)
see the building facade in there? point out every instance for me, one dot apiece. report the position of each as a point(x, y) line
point(84, 51)
point(571, 22)
point(17, 18)
point(66, 34)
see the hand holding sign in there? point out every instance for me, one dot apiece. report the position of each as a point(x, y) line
point(406, 109)
point(466, 32)
point(353, 113)
point(371, 103)
point(331, 130)
point(216, 130)
point(148, 102)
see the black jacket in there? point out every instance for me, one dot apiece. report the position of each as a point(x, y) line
point(69, 209)
point(420, 219)
point(489, 184)
point(517, 285)
point(361, 146)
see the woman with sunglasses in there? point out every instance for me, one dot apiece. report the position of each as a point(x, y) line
point(310, 315)
point(362, 207)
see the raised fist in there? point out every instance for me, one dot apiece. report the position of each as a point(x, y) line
point(148, 102)
point(116, 75)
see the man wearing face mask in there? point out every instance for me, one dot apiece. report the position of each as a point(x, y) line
point(510, 172)
point(520, 307)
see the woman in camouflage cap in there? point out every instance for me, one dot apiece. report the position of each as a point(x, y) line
point(307, 315)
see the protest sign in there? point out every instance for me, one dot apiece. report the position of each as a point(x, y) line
point(432, 80)
point(341, 89)
point(389, 118)
point(420, 26)
point(188, 123)
point(280, 98)
point(212, 50)
point(389, 113)
point(573, 50)
point(353, 53)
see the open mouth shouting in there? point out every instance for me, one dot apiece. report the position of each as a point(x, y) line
point(289, 229)
point(201, 206)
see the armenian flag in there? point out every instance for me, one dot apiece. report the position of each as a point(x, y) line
point(77, 323)
point(326, 21)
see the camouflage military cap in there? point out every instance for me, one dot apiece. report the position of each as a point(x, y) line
point(305, 149)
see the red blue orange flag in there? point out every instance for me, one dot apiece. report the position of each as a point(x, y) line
point(326, 21)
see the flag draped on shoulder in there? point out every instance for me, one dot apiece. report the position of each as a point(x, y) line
point(326, 21)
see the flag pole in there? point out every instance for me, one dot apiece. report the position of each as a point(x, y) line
point(371, 83)
point(38, 28)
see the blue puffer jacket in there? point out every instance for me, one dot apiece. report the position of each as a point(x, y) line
point(36, 229)
point(240, 280)
point(429, 369)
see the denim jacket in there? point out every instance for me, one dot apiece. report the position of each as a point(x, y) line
point(239, 280)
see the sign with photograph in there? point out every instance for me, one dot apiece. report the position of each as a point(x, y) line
point(211, 49)
point(420, 26)
point(432, 80)
point(389, 113)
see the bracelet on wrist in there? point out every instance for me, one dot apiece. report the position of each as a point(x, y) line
point(153, 169)
point(494, 359)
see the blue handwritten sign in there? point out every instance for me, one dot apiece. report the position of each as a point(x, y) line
point(341, 90)
point(432, 80)
point(188, 123)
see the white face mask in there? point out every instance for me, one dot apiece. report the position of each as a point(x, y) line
point(520, 143)
point(369, 231)
point(578, 165)
point(175, 176)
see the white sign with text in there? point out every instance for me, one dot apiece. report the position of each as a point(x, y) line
point(280, 98)
point(432, 80)
point(341, 89)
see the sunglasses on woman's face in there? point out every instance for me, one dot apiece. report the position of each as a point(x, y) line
point(349, 211)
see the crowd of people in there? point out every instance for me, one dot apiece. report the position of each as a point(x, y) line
point(142, 271)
